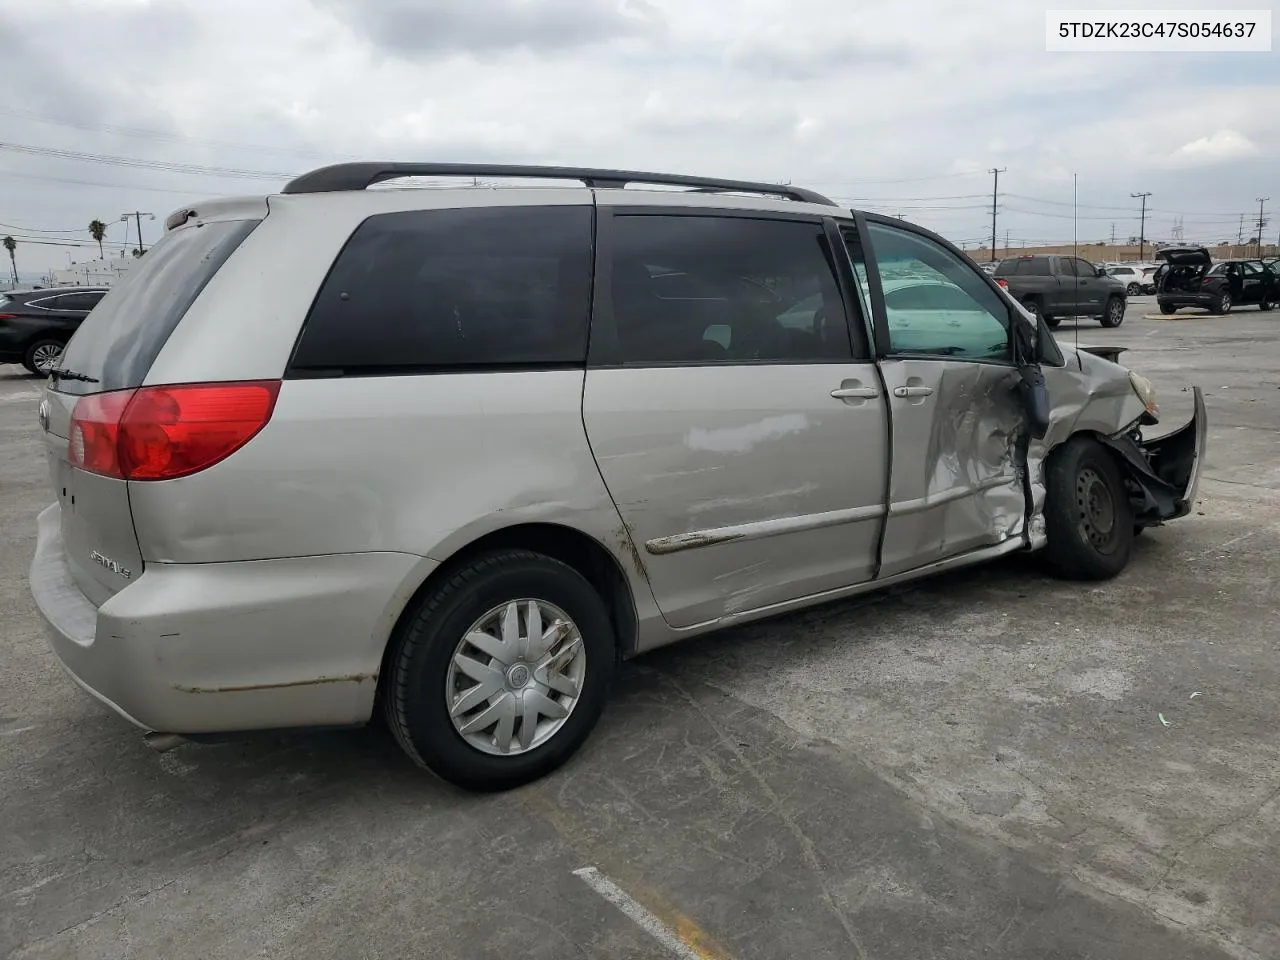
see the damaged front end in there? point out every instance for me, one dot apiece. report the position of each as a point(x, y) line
point(1162, 474)
point(1090, 393)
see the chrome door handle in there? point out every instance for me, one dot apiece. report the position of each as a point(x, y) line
point(912, 391)
point(855, 393)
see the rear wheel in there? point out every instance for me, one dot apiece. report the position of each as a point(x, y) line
point(1264, 305)
point(1033, 307)
point(1222, 304)
point(42, 356)
point(1166, 307)
point(501, 672)
point(1113, 315)
point(1133, 290)
point(1089, 522)
point(1053, 322)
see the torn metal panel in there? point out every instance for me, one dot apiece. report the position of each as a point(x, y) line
point(956, 482)
point(1092, 394)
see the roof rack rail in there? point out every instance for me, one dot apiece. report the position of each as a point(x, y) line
point(358, 176)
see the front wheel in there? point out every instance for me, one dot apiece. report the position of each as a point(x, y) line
point(1133, 289)
point(42, 356)
point(1264, 305)
point(1113, 316)
point(1087, 515)
point(501, 672)
point(1222, 304)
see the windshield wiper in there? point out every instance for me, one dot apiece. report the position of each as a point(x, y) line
point(57, 374)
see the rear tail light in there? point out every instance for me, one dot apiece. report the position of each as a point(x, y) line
point(8, 316)
point(1003, 282)
point(161, 433)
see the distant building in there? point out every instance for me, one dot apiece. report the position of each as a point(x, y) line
point(92, 273)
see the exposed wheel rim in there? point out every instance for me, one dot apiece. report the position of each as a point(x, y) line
point(1115, 312)
point(1224, 304)
point(45, 357)
point(1033, 307)
point(515, 677)
point(1097, 509)
point(1132, 290)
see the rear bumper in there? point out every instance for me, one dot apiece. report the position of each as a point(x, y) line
point(221, 647)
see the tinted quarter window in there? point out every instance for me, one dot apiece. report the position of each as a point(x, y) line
point(82, 302)
point(118, 342)
point(707, 289)
point(455, 289)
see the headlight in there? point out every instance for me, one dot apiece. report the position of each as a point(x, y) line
point(1145, 391)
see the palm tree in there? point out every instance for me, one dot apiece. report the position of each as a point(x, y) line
point(98, 230)
point(11, 244)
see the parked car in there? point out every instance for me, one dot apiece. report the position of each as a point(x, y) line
point(36, 324)
point(1131, 276)
point(1055, 287)
point(458, 476)
point(1189, 278)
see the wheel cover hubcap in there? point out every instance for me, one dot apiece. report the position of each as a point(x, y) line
point(45, 357)
point(1097, 508)
point(1117, 311)
point(515, 677)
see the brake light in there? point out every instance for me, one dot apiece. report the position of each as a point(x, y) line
point(8, 316)
point(1003, 282)
point(165, 432)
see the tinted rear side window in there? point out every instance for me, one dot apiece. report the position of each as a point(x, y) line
point(487, 287)
point(121, 338)
point(706, 289)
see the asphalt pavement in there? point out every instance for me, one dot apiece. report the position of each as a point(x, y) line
point(992, 764)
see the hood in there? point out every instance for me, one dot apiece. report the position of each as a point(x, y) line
point(1186, 256)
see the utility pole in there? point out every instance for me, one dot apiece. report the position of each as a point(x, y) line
point(995, 187)
point(1006, 241)
point(1262, 222)
point(137, 216)
point(1142, 228)
point(1240, 235)
point(1113, 234)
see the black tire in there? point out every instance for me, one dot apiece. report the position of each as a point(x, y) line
point(1087, 514)
point(1053, 322)
point(1264, 305)
point(1113, 315)
point(1033, 306)
point(414, 697)
point(37, 353)
point(1222, 303)
point(1132, 290)
point(1166, 307)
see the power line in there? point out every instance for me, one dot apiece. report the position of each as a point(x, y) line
point(161, 137)
point(140, 163)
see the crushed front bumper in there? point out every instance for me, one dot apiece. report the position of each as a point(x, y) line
point(1164, 473)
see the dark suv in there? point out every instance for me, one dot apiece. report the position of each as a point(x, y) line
point(36, 324)
point(1188, 278)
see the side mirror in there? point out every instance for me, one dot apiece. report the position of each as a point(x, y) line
point(1035, 398)
point(1102, 271)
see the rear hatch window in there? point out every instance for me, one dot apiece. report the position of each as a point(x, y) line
point(119, 341)
point(116, 345)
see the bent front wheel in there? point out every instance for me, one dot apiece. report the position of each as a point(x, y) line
point(1087, 514)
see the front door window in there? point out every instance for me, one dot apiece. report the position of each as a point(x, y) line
point(935, 303)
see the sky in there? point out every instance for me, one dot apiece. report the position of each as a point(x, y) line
point(900, 106)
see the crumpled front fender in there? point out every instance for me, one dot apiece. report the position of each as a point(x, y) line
point(1164, 472)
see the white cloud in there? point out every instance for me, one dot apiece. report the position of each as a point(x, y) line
point(1219, 146)
point(906, 102)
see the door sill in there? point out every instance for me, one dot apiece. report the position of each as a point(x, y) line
point(1011, 545)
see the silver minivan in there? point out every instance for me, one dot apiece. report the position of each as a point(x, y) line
point(449, 455)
